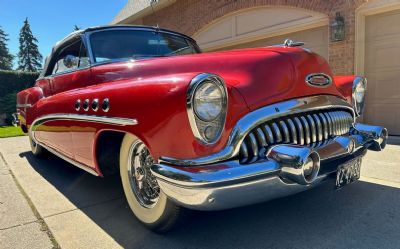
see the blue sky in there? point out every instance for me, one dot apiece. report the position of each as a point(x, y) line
point(52, 20)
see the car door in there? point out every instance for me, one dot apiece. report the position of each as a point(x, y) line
point(70, 70)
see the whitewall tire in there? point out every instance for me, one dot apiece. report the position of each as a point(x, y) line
point(36, 149)
point(149, 204)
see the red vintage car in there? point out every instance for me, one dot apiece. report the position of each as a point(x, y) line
point(203, 131)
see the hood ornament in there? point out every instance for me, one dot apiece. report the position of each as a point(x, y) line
point(291, 43)
point(319, 80)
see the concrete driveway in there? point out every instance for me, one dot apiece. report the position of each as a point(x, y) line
point(83, 211)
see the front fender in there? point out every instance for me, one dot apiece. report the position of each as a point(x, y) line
point(158, 104)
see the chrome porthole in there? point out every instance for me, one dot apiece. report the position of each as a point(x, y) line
point(144, 185)
point(78, 105)
point(85, 105)
point(105, 105)
point(95, 105)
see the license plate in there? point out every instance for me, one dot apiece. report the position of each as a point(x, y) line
point(348, 173)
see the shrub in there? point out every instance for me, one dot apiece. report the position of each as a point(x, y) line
point(15, 81)
point(12, 82)
point(7, 105)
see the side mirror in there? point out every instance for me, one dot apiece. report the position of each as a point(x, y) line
point(70, 61)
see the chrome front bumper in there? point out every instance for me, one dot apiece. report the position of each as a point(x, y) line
point(229, 184)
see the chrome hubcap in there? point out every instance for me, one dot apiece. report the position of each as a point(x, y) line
point(143, 183)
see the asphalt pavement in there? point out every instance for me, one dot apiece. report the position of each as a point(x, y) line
point(83, 211)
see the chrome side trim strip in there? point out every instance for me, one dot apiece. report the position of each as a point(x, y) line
point(260, 116)
point(85, 118)
point(24, 105)
point(77, 117)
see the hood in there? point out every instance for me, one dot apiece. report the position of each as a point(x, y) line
point(261, 75)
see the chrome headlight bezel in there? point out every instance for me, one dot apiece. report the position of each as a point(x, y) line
point(359, 87)
point(200, 125)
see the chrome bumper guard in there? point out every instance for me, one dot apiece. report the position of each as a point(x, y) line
point(288, 169)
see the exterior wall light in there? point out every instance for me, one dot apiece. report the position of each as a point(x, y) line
point(338, 32)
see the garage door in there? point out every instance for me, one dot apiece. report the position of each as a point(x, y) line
point(314, 39)
point(382, 67)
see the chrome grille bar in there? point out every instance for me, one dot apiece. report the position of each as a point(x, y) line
point(312, 129)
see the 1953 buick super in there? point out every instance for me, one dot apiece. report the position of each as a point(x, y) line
point(203, 131)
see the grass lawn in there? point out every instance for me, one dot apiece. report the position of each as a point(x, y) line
point(10, 131)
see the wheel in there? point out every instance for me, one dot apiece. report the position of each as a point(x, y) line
point(149, 204)
point(36, 149)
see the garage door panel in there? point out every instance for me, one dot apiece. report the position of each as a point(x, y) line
point(385, 115)
point(382, 67)
point(385, 88)
point(383, 25)
point(382, 53)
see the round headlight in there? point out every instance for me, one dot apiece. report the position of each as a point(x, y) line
point(359, 91)
point(208, 101)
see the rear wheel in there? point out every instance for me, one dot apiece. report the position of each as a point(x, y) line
point(36, 149)
point(149, 204)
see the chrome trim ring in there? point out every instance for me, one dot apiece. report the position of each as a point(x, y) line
point(358, 109)
point(260, 116)
point(85, 105)
point(78, 105)
point(144, 185)
point(95, 105)
point(193, 118)
point(312, 76)
point(105, 105)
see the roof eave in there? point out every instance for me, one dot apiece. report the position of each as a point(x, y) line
point(144, 12)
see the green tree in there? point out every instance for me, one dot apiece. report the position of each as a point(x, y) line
point(5, 57)
point(29, 58)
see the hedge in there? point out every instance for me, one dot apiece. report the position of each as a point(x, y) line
point(12, 82)
point(15, 81)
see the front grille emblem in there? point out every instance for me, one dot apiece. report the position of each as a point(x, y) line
point(319, 80)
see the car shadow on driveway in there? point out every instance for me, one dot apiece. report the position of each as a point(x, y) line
point(360, 215)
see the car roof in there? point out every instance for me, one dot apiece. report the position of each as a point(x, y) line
point(80, 32)
point(110, 27)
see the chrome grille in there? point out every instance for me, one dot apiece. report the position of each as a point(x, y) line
point(311, 128)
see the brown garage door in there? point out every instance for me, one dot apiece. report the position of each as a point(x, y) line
point(382, 67)
point(315, 39)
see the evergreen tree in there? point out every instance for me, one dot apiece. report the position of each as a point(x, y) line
point(29, 58)
point(5, 57)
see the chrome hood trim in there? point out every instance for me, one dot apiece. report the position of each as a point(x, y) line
point(259, 116)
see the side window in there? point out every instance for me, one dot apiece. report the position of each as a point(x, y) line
point(72, 57)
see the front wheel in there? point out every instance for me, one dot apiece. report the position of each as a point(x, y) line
point(149, 204)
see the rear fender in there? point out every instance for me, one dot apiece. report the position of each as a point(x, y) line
point(26, 101)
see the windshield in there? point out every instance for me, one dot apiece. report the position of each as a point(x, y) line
point(138, 44)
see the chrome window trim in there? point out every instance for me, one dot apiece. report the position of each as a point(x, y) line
point(194, 84)
point(260, 116)
point(89, 45)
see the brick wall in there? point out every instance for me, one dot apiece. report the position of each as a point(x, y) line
point(188, 16)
